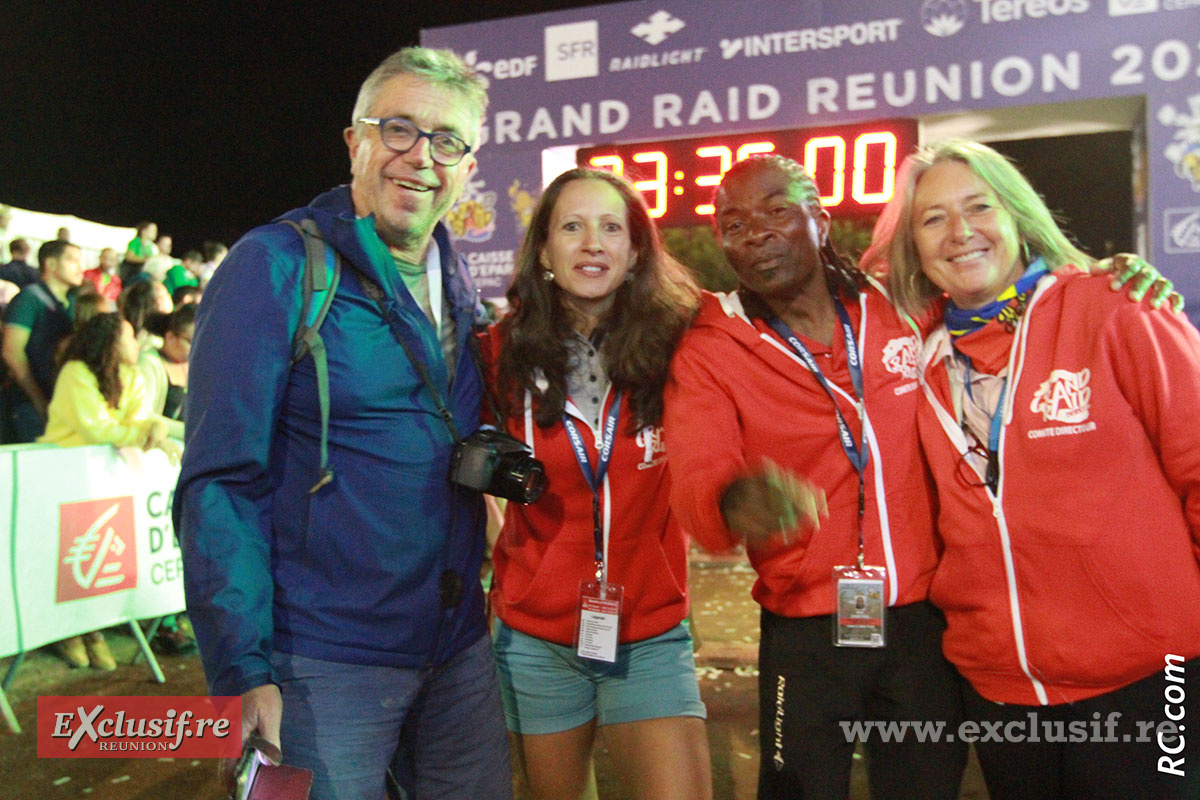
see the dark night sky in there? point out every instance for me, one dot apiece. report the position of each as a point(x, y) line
point(207, 117)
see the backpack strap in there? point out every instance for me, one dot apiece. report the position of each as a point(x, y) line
point(320, 282)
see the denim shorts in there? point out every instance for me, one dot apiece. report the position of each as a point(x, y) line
point(547, 688)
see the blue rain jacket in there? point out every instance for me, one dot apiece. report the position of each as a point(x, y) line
point(351, 572)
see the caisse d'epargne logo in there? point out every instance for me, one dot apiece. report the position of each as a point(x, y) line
point(96, 548)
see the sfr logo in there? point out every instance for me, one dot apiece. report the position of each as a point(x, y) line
point(572, 51)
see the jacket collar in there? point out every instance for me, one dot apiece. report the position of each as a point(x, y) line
point(726, 313)
point(935, 377)
point(355, 238)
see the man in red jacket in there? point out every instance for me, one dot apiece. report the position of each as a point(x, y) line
point(809, 370)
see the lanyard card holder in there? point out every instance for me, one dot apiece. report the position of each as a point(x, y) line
point(859, 608)
point(599, 620)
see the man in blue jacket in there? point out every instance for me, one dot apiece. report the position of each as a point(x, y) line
point(337, 589)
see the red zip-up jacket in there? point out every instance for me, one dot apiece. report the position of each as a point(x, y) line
point(546, 548)
point(738, 395)
point(1080, 574)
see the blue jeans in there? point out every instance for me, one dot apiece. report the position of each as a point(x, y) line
point(440, 730)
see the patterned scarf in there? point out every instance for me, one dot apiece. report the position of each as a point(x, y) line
point(1006, 309)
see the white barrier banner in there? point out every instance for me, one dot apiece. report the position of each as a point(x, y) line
point(93, 544)
point(9, 638)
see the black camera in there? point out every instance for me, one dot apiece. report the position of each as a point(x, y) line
point(493, 462)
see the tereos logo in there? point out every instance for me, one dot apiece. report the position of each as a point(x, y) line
point(943, 17)
point(97, 552)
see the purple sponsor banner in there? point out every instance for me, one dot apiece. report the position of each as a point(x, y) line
point(640, 71)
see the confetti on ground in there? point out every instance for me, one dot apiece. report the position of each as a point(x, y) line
point(62, 780)
point(745, 755)
point(121, 779)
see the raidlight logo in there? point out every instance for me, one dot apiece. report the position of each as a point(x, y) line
point(1121, 8)
point(1064, 397)
point(943, 17)
point(900, 357)
point(572, 51)
point(780, 689)
point(1183, 230)
point(96, 552)
point(657, 28)
point(502, 68)
point(1013, 10)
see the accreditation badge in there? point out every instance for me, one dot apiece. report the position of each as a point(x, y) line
point(599, 620)
point(860, 606)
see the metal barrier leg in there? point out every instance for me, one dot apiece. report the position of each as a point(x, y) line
point(150, 634)
point(146, 651)
point(9, 716)
point(12, 671)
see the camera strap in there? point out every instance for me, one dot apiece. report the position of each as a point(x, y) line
point(595, 478)
point(376, 293)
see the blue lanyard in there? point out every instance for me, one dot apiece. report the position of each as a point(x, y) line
point(855, 452)
point(596, 478)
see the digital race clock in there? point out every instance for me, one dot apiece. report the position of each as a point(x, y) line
point(854, 166)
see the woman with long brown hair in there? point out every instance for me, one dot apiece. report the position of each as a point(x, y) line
point(99, 398)
point(591, 579)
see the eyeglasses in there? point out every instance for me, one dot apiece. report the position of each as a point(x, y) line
point(399, 135)
point(969, 475)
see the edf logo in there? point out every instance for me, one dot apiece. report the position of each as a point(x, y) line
point(572, 51)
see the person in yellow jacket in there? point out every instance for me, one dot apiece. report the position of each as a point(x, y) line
point(100, 398)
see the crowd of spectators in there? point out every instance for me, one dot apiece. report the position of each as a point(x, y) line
point(97, 354)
